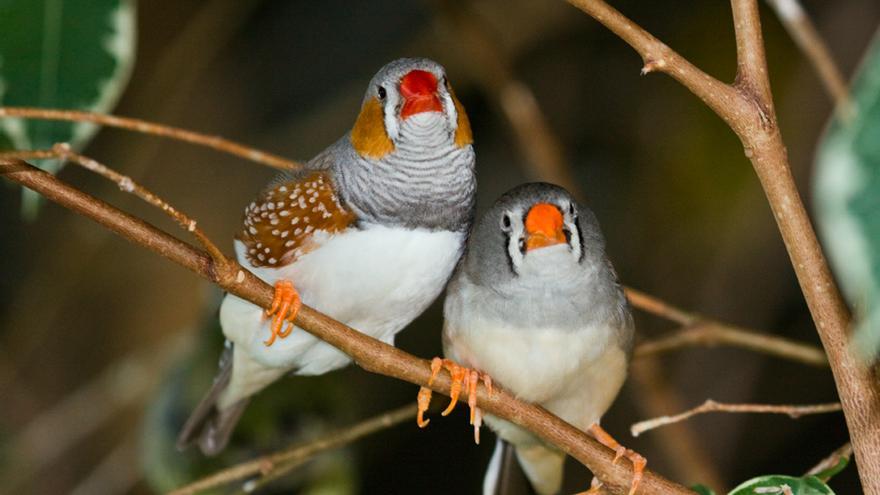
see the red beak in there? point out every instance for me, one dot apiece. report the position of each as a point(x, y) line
point(419, 90)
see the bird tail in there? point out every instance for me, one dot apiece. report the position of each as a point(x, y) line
point(532, 468)
point(209, 426)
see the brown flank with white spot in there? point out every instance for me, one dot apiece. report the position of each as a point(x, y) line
point(280, 224)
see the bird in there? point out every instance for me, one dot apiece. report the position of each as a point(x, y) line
point(536, 308)
point(368, 232)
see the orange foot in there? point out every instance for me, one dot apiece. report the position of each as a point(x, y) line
point(285, 306)
point(461, 376)
point(637, 460)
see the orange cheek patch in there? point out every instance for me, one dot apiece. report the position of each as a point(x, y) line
point(368, 136)
point(463, 135)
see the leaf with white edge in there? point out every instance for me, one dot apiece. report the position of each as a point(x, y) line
point(70, 54)
point(847, 190)
point(782, 485)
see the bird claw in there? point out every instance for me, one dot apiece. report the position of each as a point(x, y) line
point(461, 377)
point(638, 461)
point(285, 306)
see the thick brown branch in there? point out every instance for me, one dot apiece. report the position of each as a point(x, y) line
point(710, 405)
point(750, 114)
point(137, 125)
point(657, 57)
point(368, 353)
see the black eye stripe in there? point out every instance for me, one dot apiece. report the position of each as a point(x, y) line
point(580, 239)
point(508, 256)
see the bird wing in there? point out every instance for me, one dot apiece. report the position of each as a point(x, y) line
point(291, 216)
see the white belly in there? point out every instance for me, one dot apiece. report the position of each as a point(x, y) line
point(375, 280)
point(575, 374)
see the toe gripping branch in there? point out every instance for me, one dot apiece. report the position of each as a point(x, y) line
point(285, 306)
point(461, 376)
point(637, 460)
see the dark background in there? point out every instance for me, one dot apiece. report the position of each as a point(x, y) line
point(89, 324)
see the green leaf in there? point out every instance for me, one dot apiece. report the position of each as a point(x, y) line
point(703, 490)
point(70, 54)
point(775, 485)
point(827, 474)
point(847, 190)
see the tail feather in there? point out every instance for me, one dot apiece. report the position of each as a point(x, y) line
point(523, 470)
point(209, 426)
point(505, 476)
point(543, 466)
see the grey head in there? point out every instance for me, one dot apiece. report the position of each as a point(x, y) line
point(542, 256)
point(407, 87)
point(408, 160)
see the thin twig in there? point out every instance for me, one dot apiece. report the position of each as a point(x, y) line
point(649, 385)
point(843, 452)
point(712, 406)
point(700, 330)
point(126, 184)
point(214, 142)
point(655, 306)
point(710, 333)
point(296, 455)
point(747, 107)
point(369, 353)
point(800, 27)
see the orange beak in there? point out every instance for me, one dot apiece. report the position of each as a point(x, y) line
point(419, 91)
point(544, 227)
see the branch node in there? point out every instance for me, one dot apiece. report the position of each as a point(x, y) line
point(653, 65)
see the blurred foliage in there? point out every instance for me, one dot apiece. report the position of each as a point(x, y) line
point(289, 411)
point(775, 484)
point(69, 54)
point(848, 199)
point(703, 490)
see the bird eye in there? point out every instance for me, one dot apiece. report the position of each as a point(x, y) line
point(445, 81)
point(505, 222)
point(382, 93)
point(571, 208)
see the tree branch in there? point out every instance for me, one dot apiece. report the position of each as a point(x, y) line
point(143, 126)
point(805, 36)
point(711, 333)
point(751, 72)
point(700, 330)
point(370, 354)
point(284, 460)
point(62, 151)
point(843, 452)
point(747, 107)
point(712, 406)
